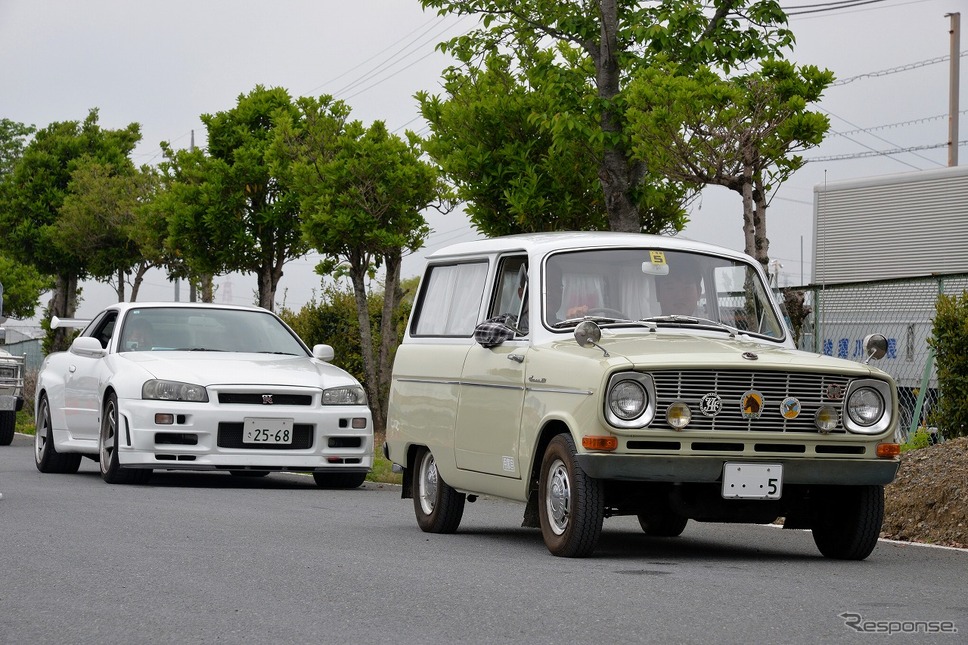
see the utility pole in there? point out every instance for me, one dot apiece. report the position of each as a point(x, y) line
point(955, 73)
point(192, 296)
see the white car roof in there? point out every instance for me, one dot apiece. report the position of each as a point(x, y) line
point(543, 243)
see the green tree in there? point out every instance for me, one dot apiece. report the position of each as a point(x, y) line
point(594, 48)
point(362, 192)
point(101, 215)
point(13, 139)
point(226, 209)
point(742, 132)
point(515, 172)
point(949, 340)
point(22, 288)
point(22, 284)
point(33, 195)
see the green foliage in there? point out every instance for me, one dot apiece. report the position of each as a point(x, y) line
point(22, 288)
point(226, 209)
point(363, 192)
point(13, 139)
point(513, 170)
point(949, 339)
point(35, 190)
point(557, 73)
point(920, 439)
point(333, 321)
point(32, 198)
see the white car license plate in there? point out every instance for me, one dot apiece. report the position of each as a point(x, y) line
point(259, 430)
point(752, 481)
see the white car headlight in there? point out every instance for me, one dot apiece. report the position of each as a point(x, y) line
point(173, 391)
point(630, 400)
point(868, 407)
point(344, 395)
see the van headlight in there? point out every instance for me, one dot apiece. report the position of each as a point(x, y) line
point(630, 400)
point(867, 407)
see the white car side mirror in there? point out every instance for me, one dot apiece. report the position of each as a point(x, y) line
point(88, 346)
point(324, 353)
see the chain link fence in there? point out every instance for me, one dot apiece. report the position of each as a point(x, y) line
point(901, 309)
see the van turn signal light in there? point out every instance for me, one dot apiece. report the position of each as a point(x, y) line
point(599, 443)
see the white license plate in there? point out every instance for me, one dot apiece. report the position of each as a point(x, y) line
point(8, 402)
point(259, 430)
point(752, 481)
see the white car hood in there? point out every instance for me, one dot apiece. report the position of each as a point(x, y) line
point(215, 368)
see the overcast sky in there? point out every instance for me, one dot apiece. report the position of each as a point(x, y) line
point(164, 63)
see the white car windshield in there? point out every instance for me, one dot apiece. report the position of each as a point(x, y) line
point(660, 286)
point(206, 329)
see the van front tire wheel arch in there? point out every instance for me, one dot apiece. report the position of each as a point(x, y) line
point(438, 507)
point(571, 505)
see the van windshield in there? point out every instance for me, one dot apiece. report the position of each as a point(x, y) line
point(666, 287)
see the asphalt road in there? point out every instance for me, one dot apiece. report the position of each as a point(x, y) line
point(206, 558)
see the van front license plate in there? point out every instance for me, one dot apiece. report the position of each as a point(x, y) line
point(258, 430)
point(752, 481)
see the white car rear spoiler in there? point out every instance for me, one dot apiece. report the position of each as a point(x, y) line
point(74, 323)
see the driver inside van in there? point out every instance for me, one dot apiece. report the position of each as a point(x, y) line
point(679, 291)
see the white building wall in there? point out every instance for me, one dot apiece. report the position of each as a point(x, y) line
point(892, 226)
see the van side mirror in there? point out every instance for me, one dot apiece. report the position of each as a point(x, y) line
point(492, 333)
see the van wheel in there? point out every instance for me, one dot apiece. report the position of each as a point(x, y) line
point(438, 507)
point(662, 524)
point(850, 522)
point(571, 504)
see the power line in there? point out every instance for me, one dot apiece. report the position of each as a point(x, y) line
point(881, 153)
point(895, 70)
point(828, 6)
point(920, 121)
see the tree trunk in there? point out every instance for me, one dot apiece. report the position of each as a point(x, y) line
point(120, 288)
point(372, 384)
point(616, 172)
point(749, 231)
point(388, 329)
point(208, 287)
point(139, 277)
point(63, 305)
point(761, 243)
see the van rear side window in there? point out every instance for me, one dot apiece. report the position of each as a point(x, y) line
point(450, 303)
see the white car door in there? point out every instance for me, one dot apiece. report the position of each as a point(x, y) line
point(82, 400)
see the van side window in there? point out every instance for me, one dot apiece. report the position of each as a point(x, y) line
point(450, 303)
point(511, 291)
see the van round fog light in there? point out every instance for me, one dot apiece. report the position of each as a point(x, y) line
point(826, 419)
point(678, 415)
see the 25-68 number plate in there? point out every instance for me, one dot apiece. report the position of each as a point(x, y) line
point(259, 430)
point(752, 481)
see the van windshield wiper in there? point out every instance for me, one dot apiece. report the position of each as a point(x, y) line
point(677, 319)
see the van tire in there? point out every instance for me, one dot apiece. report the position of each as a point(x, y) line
point(438, 507)
point(571, 505)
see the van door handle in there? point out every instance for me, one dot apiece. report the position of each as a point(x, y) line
point(517, 358)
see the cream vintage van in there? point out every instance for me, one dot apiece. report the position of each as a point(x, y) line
point(592, 375)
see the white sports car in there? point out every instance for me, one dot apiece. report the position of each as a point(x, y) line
point(190, 386)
